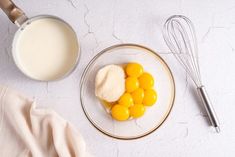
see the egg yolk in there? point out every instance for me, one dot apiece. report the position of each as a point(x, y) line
point(137, 110)
point(138, 96)
point(146, 81)
point(134, 69)
point(150, 97)
point(126, 100)
point(120, 112)
point(131, 84)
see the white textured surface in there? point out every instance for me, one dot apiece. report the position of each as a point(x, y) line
point(101, 23)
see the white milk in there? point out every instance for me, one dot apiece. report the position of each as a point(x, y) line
point(46, 49)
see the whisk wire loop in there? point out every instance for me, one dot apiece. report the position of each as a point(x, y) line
point(180, 37)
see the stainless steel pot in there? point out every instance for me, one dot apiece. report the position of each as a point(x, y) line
point(18, 17)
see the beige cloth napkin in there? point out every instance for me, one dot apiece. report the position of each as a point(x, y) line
point(26, 131)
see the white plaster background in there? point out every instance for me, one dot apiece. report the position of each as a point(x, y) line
point(101, 23)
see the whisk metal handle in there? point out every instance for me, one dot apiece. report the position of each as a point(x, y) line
point(209, 108)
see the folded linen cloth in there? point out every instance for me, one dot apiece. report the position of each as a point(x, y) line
point(26, 131)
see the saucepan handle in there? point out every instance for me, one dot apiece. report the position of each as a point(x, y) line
point(15, 14)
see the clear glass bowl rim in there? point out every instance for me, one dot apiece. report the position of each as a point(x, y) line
point(106, 50)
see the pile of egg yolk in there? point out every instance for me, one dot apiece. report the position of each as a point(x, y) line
point(139, 94)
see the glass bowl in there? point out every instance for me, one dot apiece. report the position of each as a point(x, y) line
point(154, 115)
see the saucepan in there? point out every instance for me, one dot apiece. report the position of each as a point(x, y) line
point(44, 47)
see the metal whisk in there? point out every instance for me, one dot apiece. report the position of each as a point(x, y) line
point(179, 35)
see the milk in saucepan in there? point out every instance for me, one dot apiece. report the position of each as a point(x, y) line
point(46, 49)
